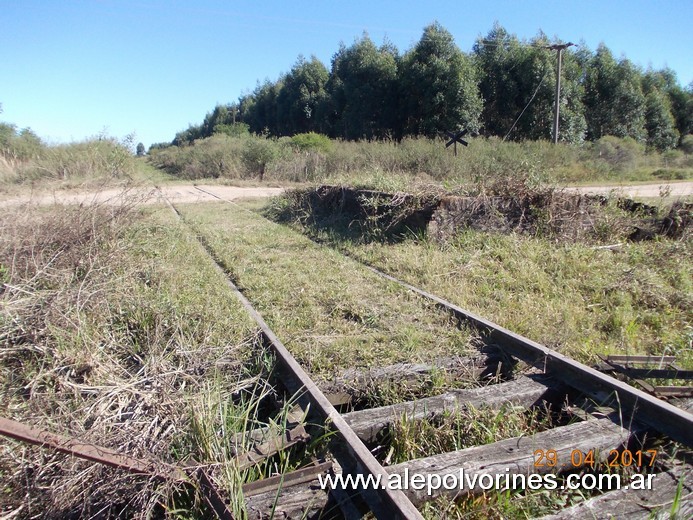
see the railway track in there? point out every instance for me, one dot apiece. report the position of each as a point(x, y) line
point(613, 424)
point(604, 427)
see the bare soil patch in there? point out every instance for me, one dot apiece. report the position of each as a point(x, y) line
point(188, 193)
point(674, 189)
point(148, 195)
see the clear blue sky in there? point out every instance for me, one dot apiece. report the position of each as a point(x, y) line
point(70, 69)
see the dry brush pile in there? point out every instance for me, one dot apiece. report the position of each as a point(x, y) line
point(502, 206)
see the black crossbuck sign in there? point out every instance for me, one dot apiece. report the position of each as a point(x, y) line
point(456, 137)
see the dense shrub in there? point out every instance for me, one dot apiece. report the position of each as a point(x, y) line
point(19, 145)
point(311, 142)
point(217, 156)
point(619, 153)
point(687, 144)
point(257, 154)
point(232, 130)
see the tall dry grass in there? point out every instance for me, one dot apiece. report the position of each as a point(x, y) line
point(110, 332)
point(87, 162)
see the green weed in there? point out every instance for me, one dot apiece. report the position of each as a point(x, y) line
point(461, 429)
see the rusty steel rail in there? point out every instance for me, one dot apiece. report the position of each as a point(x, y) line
point(211, 495)
point(88, 451)
point(108, 457)
point(655, 413)
point(651, 367)
point(388, 503)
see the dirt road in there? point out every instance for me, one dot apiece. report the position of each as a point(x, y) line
point(190, 193)
point(675, 189)
point(148, 195)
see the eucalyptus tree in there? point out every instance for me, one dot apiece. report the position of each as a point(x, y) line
point(535, 76)
point(678, 101)
point(572, 123)
point(538, 69)
point(660, 123)
point(259, 109)
point(362, 90)
point(497, 57)
point(301, 94)
point(682, 108)
point(187, 136)
point(221, 115)
point(614, 101)
point(438, 88)
point(517, 81)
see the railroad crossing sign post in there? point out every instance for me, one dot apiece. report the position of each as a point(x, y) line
point(456, 137)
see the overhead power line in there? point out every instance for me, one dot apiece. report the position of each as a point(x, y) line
point(501, 43)
point(527, 105)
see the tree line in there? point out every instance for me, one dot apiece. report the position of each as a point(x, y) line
point(504, 87)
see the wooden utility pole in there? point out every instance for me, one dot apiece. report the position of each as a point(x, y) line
point(559, 48)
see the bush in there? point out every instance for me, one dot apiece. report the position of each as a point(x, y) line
point(25, 158)
point(216, 156)
point(232, 130)
point(672, 174)
point(619, 153)
point(19, 146)
point(88, 159)
point(313, 157)
point(257, 154)
point(687, 144)
point(311, 142)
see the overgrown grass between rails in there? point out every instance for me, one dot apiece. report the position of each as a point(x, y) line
point(475, 427)
point(632, 299)
point(114, 328)
point(332, 313)
point(459, 429)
